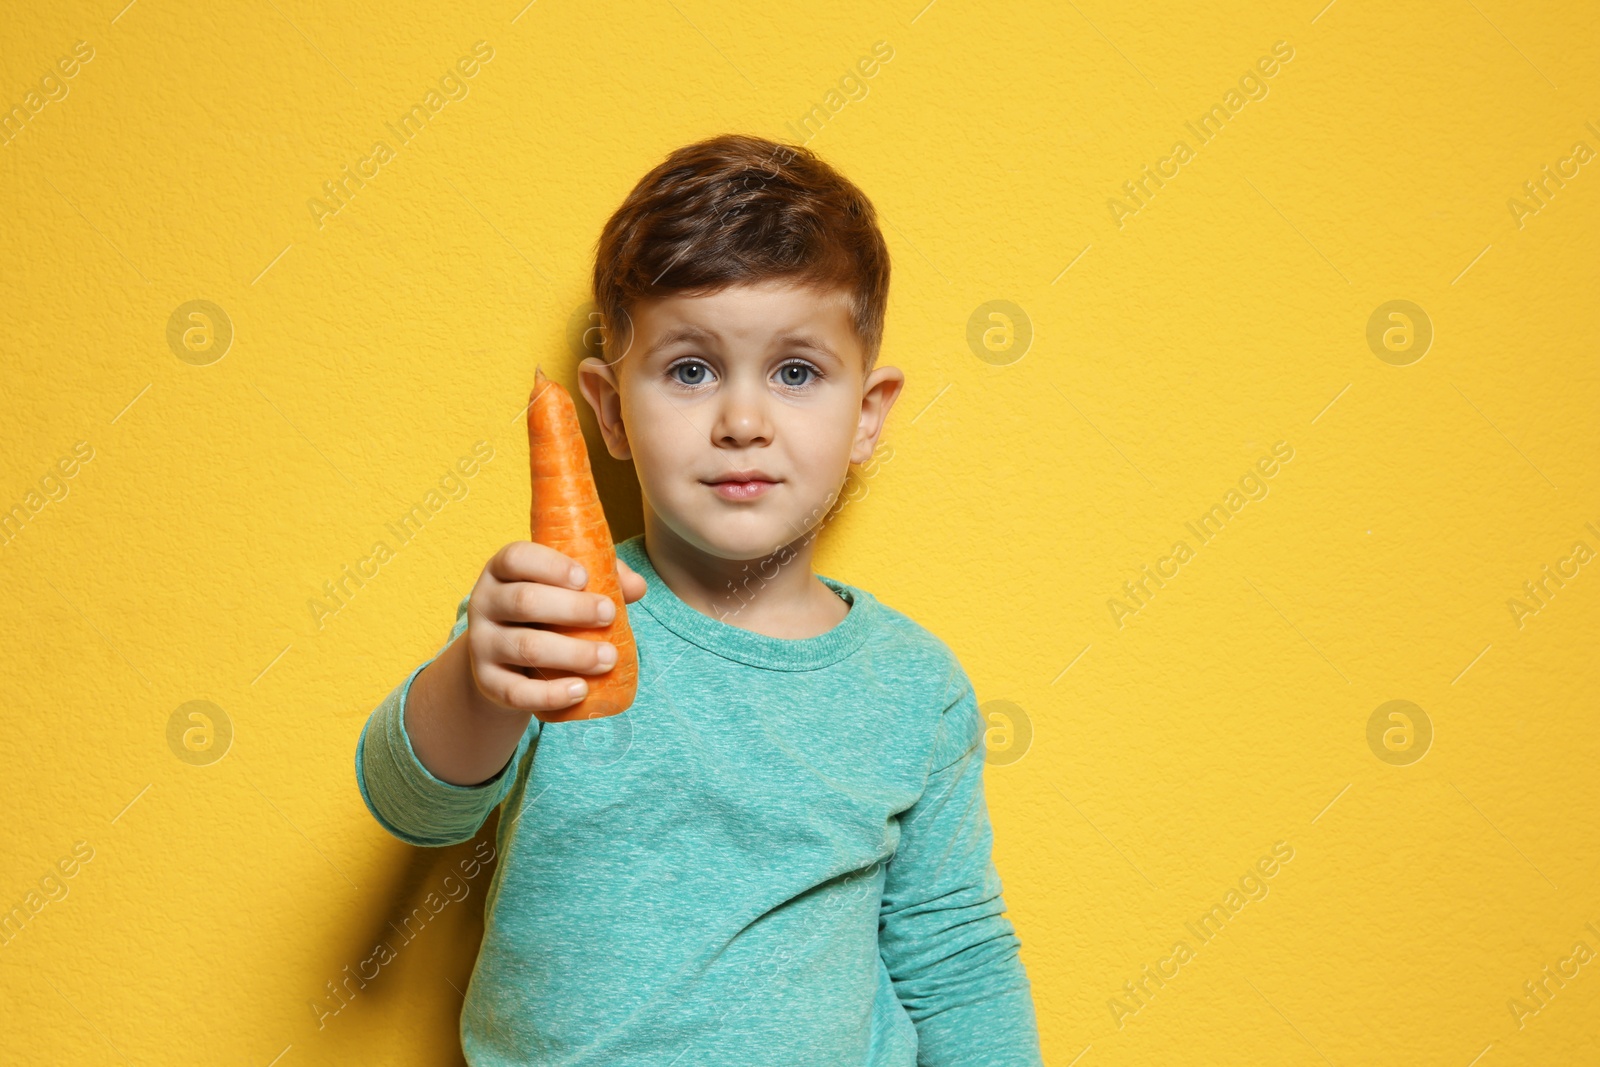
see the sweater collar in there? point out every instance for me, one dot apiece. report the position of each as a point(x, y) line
point(747, 646)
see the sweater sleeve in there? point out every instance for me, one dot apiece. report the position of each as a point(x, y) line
point(950, 951)
point(404, 797)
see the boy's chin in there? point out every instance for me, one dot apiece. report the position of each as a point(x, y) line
point(748, 536)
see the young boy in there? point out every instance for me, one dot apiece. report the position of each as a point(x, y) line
point(780, 853)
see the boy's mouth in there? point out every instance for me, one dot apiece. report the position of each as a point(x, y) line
point(742, 485)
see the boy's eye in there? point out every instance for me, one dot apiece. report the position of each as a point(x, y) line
point(794, 374)
point(696, 368)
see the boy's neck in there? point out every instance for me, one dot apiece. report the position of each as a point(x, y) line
point(776, 595)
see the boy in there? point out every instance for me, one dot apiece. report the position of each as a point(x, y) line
point(780, 853)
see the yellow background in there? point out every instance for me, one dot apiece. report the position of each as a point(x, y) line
point(1229, 313)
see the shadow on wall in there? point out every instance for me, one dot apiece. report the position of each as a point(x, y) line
point(615, 480)
point(402, 980)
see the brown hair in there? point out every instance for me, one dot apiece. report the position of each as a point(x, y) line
point(736, 208)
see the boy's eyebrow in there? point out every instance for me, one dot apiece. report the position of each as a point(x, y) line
point(691, 332)
point(685, 332)
point(795, 339)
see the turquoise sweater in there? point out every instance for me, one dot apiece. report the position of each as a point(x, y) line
point(780, 854)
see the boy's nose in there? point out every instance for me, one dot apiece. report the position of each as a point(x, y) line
point(742, 416)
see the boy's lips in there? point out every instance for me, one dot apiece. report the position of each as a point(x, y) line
point(742, 485)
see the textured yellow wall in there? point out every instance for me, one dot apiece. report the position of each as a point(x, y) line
point(1092, 367)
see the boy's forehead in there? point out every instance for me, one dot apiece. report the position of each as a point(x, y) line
point(747, 312)
point(743, 303)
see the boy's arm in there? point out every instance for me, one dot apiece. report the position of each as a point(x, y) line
point(952, 954)
point(403, 795)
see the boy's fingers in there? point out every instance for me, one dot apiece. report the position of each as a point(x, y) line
point(537, 602)
point(550, 652)
point(633, 583)
point(529, 561)
point(512, 689)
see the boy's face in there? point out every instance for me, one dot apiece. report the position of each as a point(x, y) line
point(764, 377)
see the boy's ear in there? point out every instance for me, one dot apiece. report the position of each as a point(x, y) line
point(878, 394)
point(598, 383)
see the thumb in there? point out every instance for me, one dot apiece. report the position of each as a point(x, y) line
point(633, 583)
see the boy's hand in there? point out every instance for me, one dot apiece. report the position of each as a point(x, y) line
point(518, 664)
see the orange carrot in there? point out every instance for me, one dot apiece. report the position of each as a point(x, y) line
point(567, 516)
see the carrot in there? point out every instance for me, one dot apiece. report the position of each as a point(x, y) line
point(567, 516)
